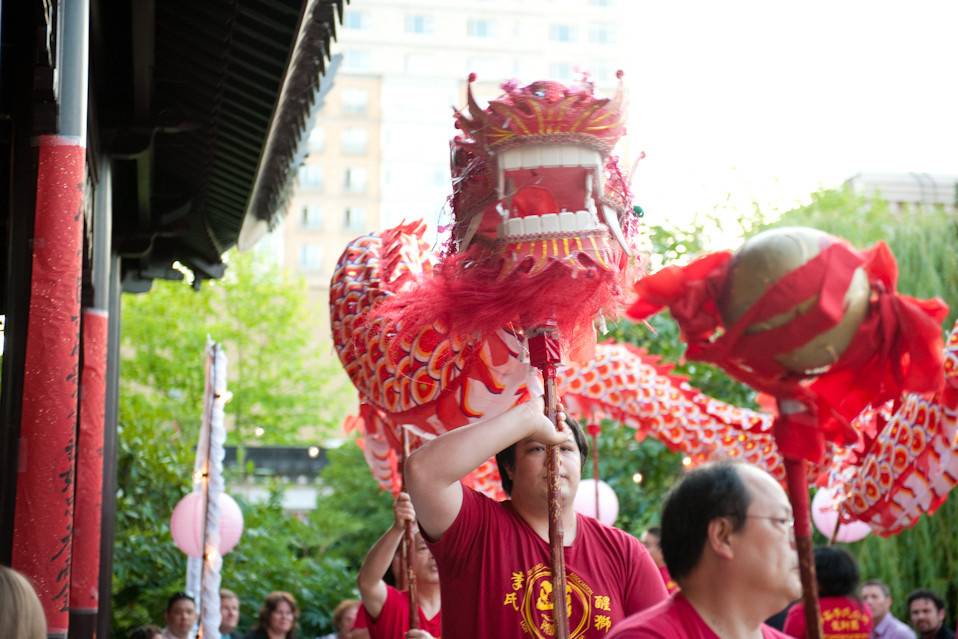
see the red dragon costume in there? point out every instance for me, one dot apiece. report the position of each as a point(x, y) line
point(543, 213)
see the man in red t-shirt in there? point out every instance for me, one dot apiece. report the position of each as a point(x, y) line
point(652, 540)
point(494, 557)
point(727, 541)
point(387, 609)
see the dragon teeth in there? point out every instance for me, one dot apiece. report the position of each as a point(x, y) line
point(532, 225)
point(550, 224)
point(534, 156)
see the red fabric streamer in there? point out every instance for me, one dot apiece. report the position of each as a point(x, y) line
point(897, 348)
point(460, 296)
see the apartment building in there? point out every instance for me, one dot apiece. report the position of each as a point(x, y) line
point(380, 151)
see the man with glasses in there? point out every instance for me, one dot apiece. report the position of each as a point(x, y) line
point(728, 542)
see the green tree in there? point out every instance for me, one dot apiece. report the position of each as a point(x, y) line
point(923, 240)
point(279, 385)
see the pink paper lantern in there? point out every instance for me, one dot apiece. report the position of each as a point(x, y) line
point(825, 516)
point(584, 503)
point(186, 524)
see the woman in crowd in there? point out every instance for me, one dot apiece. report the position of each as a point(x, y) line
point(277, 618)
point(843, 614)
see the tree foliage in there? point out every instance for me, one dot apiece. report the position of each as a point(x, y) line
point(279, 385)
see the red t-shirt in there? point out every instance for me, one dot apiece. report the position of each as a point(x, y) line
point(670, 584)
point(362, 621)
point(495, 579)
point(842, 618)
point(674, 619)
point(393, 620)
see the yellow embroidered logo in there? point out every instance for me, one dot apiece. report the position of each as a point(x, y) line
point(530, 595)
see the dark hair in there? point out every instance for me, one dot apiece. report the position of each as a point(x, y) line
point(706, 493)
point(877, 583)
point(655, 531)
point(177, 596)
point(506, 458)
point(836, 571)
point(924, 593)
point(272, 602)
point(145, 632)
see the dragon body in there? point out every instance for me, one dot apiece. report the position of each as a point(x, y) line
point(544, 231)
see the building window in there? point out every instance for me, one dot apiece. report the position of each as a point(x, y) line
point(355, 101)
point(312, 216)
point(421, 63)
point(311, 176)
point(317, 140)
point(561, 71)
point(355, 180)
point(601, 34)
point(561, 33)
point(356, 20)
point(355, 219)
point(311, 257)
point(354, 141)
point(418, 23)
point(479, 28)
point(357, 60)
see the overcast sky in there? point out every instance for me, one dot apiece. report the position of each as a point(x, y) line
point(770, 100)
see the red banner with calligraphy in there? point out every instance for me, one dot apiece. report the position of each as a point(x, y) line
point(43, 523)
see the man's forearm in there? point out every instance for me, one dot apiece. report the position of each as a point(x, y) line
point(450, 457)
point(377, 561)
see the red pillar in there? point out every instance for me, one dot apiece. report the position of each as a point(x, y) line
point(43, 521)
point(85, 574)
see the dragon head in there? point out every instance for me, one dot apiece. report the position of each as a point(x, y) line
point(543, 228)
point(534, 181)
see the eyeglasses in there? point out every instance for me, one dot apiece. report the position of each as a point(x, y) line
point(788, 523)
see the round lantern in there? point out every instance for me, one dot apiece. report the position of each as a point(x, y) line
point(186, 524)
point(584, 503)
point(765, 259)
point(825, 517)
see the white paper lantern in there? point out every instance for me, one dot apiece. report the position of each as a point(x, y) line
point(186, 524)
point(584, 503)
point(825, 517)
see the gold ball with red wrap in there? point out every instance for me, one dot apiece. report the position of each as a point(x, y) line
point(766, 258)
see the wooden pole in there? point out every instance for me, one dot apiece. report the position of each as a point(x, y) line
point(408, 549)
point(545, 354)
point(595, 467)
point(838, 526)
point(796, 474)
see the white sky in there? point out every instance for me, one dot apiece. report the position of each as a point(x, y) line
point(770, 100)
